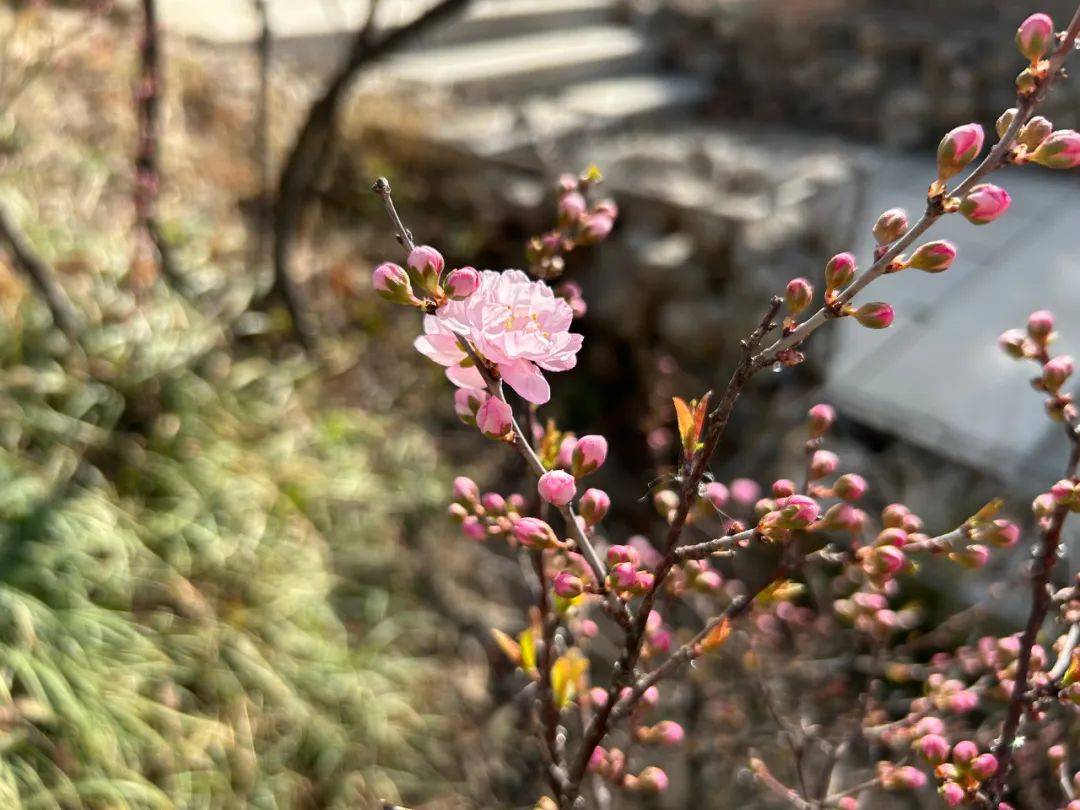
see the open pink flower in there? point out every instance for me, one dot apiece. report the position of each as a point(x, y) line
point(518, 325)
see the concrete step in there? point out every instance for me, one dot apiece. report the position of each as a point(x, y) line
point(505, 69)
point(504, 19)
point(595, 105)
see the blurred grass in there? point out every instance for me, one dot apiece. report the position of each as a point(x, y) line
point(202, 587)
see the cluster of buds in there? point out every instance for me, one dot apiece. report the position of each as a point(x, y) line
point(950, 694)
point(961, 768)
point(869, 612)
point(423, 285)
point(626, 574)
point(487, 515)
point(787, 513)
point(900, 777)
point(578, 224)
point(1055, 371)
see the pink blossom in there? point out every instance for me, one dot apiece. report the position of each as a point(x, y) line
point(516, 324)
point(985, 203)
point(557, 487)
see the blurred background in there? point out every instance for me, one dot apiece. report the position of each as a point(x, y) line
point(226, 574)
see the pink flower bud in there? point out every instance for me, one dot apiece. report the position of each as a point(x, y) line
point(823, 463)
point(623, 554)
point(890, 226)
point(985, 203)
point(964, 752)
point(594, 505)
point(1040, 324)
point(839, 271)
point(848, 803)
point(984, 766)
point(473, 528)
point(887, 560)
point(467, 402)
point(643, 581)
point(572, 207)
point(598, 757)
point(957, 149)
point(1035, 131)
point(557, 487)
point(819, 419)
point(1043, 506)
point(1012, 343)
point(744, 491)
point(494, 418)
point(799, 295)
point(934, 747)
point(952, 793)
point(589, 453)
point(534, 533)
point(462, 283)
point(783, 488)
point(623, 576)
point(427, 263)
point(973, 556)
point(1056, 372)
point(795, 512)
point(1005, 121)
point(1034, 36)
point(565, 456)
point(567, 585)
point(1056, 754)
point(493, 502)
point(875, 315)
point(716, 494)
point(596, 228)
point(1060, 151)
point(392, 283)
point(652, 779)
point(669, 732)
point(466, 492)
point(850, 487)
point(933, 257)
point(904, 778)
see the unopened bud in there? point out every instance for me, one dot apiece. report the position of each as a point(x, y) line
point(823, 463)
point(427, 263)
point(557, 487)
point(716, 494)
point(890, 226)
point(1034, 36)
point(467, 402)
point(462, 283)
point(934, 747)
point(819, 419)
point(1012, 343)
point(1040, 325)
point(840, 270)
point(1005, 121)
point(466, 492)
point(567, 585)
point(589, 453)
point(798, 296)
point(391, 282)
point(572, 207)
point(984, 766)
point(933, 257)
point(494, 418)
point(985, 203)
point(1059, 151)
point(957, 149)
point(875, 315)
point(534, 533)
point(652, 779)
point(594, 505)
point(850, 487)
point(1035, 131)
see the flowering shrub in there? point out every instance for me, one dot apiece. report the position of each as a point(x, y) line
point(962, 720)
